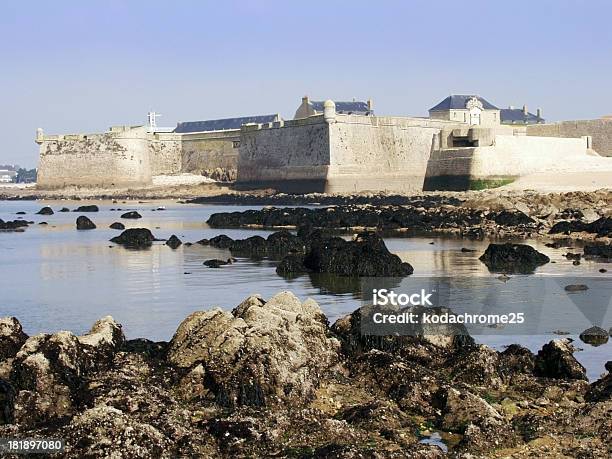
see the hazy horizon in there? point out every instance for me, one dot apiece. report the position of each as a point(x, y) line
point(84, 66)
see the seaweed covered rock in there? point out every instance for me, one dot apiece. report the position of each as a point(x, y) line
point(595, 336)
point(12, 337)
point(87, 208)
point(84, 223)
point(365, 256)
point(136, 238)
point(117, 226)
point(513, 258)
point(14, 225)
point(598, 251)
point(48, 371)
point(174, 242)
point(510, 218)
point(260, 353)
point(131, 215)
point(556, 360)
point(45, 211)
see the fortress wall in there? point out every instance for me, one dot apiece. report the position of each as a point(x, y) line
point(207, 151)
point(381, 153)
point(165, 153)
point(98, 160)
point(291, 156)
point(600, 130)
point(510, 157)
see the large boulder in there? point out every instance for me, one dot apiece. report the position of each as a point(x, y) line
point(260, 353)
point(12, 337)
point(49, 370)
point(84, 223)
point(595, 336)
point(513, 258)
point(174, 242)
point(556, 360)
point(136, 238)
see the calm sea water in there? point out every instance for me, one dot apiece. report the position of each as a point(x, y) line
point(53, 277)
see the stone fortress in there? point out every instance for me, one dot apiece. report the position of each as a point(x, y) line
point(465, 143)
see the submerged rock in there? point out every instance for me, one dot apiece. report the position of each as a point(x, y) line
point(14, 225)
point(576, 288)
point(117, 226)
point(556, 360)
point(131, 215)
point(90, 208)
point(45, 211)
point(174, 242)
point(216, 263)
point(64, 209)
point(513, 258)
point(84, 223)
point(259, 354)
point(595, 336)
point(135, 238)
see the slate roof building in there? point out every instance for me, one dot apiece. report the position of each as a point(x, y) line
point(471, 109)
point(315, 107)
point(520, 116)
point(224, 124)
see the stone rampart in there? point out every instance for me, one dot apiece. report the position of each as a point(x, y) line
point(114, 159)
point(599, 129)
point(205, 151)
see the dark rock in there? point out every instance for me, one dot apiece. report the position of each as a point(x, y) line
point(573, 256)
point(576, 288)
point(602, 227)
point(203, 241)
point(602, 270)
point(253, 247)
point(221, 242)
point(598, 251)
point(292, 265)
point(117, 226)
point(510, 218)
point(261, 353)
point(12, 337)
point(20, 213)
point(135, 238)
point(84, 223)
point(517, 359)
point(513, 258)
point(556, 360)
point(45, 211)
point(216, 263)
point(90, 208)
point(174, 242)
point(15, 225)
point(366, 256)
point(282, 242)
point(132, 214)
point(64, 209)
point(7, 402)
point(466, 250)
point(595, 336)
point(43, 223)
point(609, 366)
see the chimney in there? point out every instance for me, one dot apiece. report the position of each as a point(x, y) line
point(370, 105)
point(539, 113)
point(511, 107)
point(305, 100)
point(525, 112)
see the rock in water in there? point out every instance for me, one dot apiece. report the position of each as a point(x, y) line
point(508, 218)
point(261, 353)
point(556, 360)
point(136, 238)
point(513, 258)
point(132, 214)
point(598, 251)
point(12, 337)
point(45, 211)
point(216, 263)
point(84, 223)
point(117, 226)
point(64, 209)
point(576, 288)
point(173, 242)
point(91, 208)
point(595, 336)
point(366, 256)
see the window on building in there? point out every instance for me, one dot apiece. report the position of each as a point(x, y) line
point(236, 143)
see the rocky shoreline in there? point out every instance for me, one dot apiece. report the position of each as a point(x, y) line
point(273, 379)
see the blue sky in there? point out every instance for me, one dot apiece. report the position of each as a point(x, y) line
point(81, 66)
